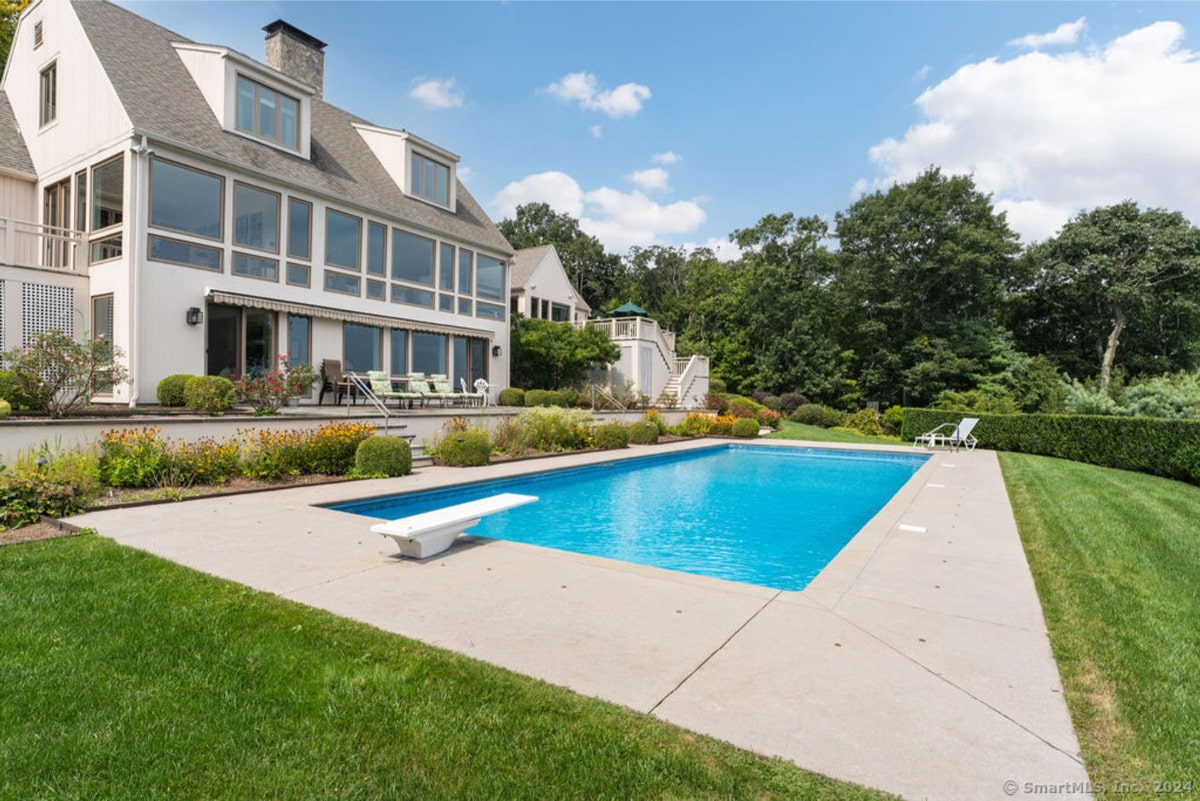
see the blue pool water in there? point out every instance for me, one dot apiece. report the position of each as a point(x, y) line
point(760, 515)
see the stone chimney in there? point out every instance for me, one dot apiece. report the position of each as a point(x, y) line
point(296, 54)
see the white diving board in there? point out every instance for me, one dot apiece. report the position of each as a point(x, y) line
point(429, 533)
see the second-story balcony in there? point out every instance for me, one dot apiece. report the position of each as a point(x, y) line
point(41, 247)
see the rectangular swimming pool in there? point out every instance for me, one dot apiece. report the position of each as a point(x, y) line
point(770, 516)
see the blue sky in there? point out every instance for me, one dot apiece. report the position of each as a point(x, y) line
point(676, 123)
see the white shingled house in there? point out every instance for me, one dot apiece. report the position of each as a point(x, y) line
point(211, 213)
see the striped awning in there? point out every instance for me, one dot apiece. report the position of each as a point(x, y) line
point(308, 310)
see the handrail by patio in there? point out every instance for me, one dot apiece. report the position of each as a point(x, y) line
point(361, 387)
point(40, 247)
point(596, 389)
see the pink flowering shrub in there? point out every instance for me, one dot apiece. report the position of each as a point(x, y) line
point(270, 391)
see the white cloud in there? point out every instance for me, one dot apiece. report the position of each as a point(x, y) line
point(597, 131)
point(1049, 135)
point(618, 219)
point(654, 179)
point(725, 250)
point(670, 157)
point(583, 88)
point(437, 94)
point(463, 172)
point(1065, 34)
point(921, 74)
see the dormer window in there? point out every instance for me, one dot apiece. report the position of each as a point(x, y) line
point(430, 179)
point(266, 113)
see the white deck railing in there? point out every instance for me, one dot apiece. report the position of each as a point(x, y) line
point(41, 247)
point(688, 371)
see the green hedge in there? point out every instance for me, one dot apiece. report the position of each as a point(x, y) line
point(1157, 446)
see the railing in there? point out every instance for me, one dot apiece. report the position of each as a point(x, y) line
point(42, 247)
point(693, 368)
point(641, 329)
point(360, 387)
point(596, 389)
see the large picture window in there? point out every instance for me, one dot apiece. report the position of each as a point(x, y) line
point(412, 258)
point(430, 179)
point(428, 353)
point(267, 113)
point(465, 271)
point(185, 200)
point(489, 278)
point(343, 239)
point(446, 268)
point(255, 218)
point(361, 345)
point(399, 351)
point(299, 334)
point(376, 249)
point(108, 194)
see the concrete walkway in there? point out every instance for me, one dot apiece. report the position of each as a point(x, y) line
point(917, 662)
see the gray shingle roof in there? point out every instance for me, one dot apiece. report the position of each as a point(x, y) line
point(161, 98)
point(13, 155)
point(527, 261)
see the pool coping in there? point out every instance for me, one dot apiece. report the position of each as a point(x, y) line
point(916, 661)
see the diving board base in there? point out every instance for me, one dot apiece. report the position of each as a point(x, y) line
point(429, 533)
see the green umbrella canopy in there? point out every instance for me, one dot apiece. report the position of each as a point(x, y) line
point(629, 309)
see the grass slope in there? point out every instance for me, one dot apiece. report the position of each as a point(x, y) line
point(792, 430)
point(1116, 558)
point(126, 676)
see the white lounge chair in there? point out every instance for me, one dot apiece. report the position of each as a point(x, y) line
point(955, 435)
point(429, 533)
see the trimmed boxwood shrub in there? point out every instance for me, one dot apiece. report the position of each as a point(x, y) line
point(643, 433)
point(470, 448)
point(610, 435)
point(512, 396)
point(809, 414)
point(892, 420)
point(543, 397)
point(1157, 446)
point(172, 390)
point(209, 393)
point(745, 427)
point(383, 455)
point(5, 409)
point(864, 421)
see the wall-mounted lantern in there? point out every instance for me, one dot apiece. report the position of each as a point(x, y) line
point(195, 315)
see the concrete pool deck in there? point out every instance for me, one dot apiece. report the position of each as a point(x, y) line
point(917, 662)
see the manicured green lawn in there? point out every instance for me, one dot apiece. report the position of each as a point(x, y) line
point(792, 430)
point(1116, 558)
point(126, 676)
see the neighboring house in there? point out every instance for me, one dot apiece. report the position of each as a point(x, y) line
point(208, 212)
point(541, 289)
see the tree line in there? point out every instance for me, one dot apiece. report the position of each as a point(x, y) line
point(916, 294)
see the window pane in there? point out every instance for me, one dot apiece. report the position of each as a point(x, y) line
point(108, 194)
point(260, 342)
point(255, 218)
point(464, 306)
point(184, 199)
point(299, 229)
point(489, 278)
point(340, 282)
point(464, 271)
point(490, 311)
point(49, 95)
point(268, 122)
point(376, 247)
point(245, 103)
point(399, 351)
point(343, 239)
point(429, 353)
point(446, 268)
point(105, 249)
point(417, 297)
point(417, 173)
point(102, 317)
point(360, 348)
point(254, 267)
point(185, 253)
point(81, 195)
point(443, 184)
point(412, 258)
point(479, 361)
point(289, 121)
point(376, 290)
point(460, 362)
point(298, 340)
point(298, 274)
point(446, 303)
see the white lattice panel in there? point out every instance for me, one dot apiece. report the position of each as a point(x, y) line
point(45, 308)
